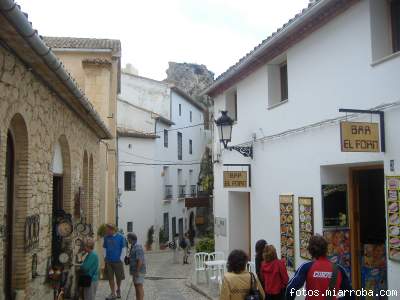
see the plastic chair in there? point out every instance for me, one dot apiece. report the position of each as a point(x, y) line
point(216, 256)
point(199, 259)
point(251, 267)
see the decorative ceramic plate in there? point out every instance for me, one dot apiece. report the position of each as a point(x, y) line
point(64, 229)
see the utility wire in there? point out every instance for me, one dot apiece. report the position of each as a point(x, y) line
point(326, 122)
point(127, 163)
point(156, 160)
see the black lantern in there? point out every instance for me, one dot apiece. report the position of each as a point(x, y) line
point(224, 124)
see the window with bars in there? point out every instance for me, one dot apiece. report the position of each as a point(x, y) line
point(165, 138)
point(130, 181)
point(179, 146)
point(190, 147)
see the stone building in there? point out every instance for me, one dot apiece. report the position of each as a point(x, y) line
point(96, 65)
point(49, 154)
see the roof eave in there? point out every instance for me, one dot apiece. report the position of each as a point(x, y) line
point(256, 58)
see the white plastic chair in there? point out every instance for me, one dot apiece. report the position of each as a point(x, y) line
point(216, 256)
point(199, 259)
point(251, 267)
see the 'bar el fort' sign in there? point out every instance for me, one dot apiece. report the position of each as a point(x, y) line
point(359, 137)
point(235, 179)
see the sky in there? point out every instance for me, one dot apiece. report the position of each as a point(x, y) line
point(216, 33)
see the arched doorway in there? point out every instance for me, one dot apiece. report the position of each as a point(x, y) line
point(58, 202)
point(17, 191)
point(85, 184)
point(9, 178)
point(91, 182)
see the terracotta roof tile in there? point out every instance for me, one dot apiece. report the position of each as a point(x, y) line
point(82, 43)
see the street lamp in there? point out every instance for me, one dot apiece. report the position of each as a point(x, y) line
point(225, 124)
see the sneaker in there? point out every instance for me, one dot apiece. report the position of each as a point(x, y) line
point(119, 294)
point(111, 297)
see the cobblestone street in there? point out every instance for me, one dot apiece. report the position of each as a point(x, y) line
point(164, 281)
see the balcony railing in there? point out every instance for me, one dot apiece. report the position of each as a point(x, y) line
point(168, 192)
point(182, 191)
point(193, 190)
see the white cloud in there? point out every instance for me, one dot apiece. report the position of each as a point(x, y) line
point(212, 32)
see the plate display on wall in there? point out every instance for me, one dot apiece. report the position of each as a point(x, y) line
point(306, 224)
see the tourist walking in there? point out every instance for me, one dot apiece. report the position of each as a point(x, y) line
point(320, 275)
point(137, 266)
point(274, 274)
point(114, 248)
point(185, 245)
point(174, 246)
point(260, 245)
point(238, 283)
point(90, 268)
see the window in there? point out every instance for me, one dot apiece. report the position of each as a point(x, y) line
point(190, 147)
point(284, 81)
point(278, 86)
point(130, 181)
point(179, 146)
point(385, 28)
point(129, 226)
point(231, 104)
point(165, 138)
point(395, 19)
point(180, 109)
point(191, 117)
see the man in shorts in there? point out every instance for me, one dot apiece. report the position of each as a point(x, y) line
point(114, 248)
point(137, 266)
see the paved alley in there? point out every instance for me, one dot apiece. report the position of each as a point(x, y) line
point(164, 281)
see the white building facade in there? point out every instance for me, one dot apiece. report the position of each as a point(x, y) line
point(161, 140)
point(285, 96)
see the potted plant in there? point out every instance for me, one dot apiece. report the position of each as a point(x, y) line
point(150, 239)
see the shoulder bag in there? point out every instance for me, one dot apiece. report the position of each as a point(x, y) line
point(254, 293)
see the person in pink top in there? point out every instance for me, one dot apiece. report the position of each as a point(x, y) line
point(274, 274)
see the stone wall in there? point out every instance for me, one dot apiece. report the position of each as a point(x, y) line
point(37, 119)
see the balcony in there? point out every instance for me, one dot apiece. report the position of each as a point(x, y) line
point(182, 191)
point(168, 192)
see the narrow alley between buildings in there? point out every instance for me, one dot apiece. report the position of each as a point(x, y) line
point(164, 280)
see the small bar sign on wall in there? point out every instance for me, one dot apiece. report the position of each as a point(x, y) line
point(235, 179)
point(359, 137)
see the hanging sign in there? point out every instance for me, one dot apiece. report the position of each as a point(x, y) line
point(359, 137)
point(235, 179)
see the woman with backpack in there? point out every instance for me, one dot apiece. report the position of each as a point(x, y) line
point(274, 274)
point(238, 283)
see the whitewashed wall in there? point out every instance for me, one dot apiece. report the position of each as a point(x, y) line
point(145, 206)
point(332, 68)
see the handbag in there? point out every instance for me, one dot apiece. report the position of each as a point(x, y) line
point(84, 280)
point(254, 293)
point(127, 258)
